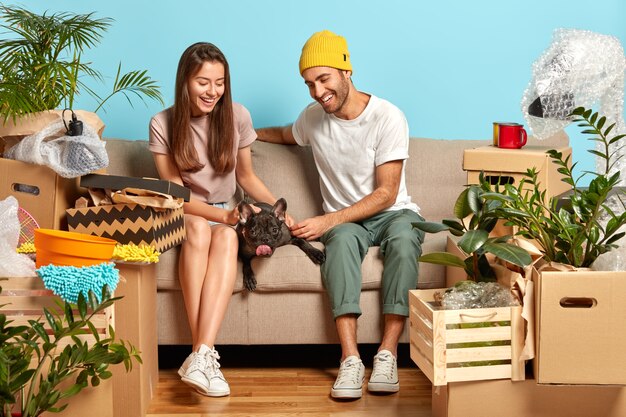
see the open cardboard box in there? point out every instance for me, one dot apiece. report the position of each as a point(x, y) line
point(40, 191)
point(580, 327)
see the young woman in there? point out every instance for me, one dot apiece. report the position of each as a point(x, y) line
point(203, 142)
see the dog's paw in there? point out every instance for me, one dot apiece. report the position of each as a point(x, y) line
point(317, 256)
point(249, 283)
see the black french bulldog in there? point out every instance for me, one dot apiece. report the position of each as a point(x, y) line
point(261, 233)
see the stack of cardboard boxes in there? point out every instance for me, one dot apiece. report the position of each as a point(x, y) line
point(50, 199)
point(579, 367)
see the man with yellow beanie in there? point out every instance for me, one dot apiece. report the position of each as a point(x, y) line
point(360, 144)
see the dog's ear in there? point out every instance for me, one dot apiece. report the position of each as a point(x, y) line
point(245, 212)
point(279, 209)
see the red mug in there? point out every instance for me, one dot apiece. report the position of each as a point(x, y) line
point(511, 135)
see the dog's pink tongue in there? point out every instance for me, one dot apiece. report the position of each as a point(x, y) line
point(263, 250)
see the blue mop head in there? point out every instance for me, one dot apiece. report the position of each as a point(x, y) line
point(69, 281)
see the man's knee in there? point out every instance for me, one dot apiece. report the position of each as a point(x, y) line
point(405, 242)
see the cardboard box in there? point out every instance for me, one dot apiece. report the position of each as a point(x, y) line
point(133, 391)
point(131, 223)
point(580, 327)
point(23, 299)
point(457, 345)
point(115, 182)
point(40, 191)
point(503, 398)
point(502, 166)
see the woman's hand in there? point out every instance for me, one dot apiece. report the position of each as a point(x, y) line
point(231, 217)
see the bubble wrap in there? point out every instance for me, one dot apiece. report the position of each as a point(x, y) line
point(12, 264)
point(580, 68)
point(68, 156)
point(470, 294)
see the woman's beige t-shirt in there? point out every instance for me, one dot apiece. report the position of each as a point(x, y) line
point(205, 185)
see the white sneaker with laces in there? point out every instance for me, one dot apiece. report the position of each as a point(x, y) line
point(218, 387)
point(384, 376)
point(192, 370)
point(350, 379)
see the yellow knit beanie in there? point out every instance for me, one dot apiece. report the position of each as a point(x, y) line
point(325, 49)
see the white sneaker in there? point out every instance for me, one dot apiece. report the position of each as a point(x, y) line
point(192, 371)
point(350, 379)
point(384, 376)
point(218, 387)
point(185, 365)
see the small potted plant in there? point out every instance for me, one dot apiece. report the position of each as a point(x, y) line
point(37, 375)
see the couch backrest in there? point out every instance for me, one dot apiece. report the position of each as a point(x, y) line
point(434, 171)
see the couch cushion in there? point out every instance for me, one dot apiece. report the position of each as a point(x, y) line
point(289, 172)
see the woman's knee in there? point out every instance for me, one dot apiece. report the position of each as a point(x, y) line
point(225, 237)
point(198, 232)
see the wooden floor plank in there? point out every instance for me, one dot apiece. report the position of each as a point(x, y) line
point(289, 392)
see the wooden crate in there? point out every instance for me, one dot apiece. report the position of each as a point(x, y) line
point(458, 345)
point(23, 299)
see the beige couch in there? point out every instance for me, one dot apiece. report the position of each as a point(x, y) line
point(290, 305)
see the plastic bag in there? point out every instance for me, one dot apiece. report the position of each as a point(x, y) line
point(470, 294)
point(12, 264)
point(68, 156)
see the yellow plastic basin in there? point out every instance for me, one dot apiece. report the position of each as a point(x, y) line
point(58, 247)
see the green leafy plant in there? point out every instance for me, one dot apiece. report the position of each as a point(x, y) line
point(32, 366)
point(41, 66)
point(574, 230)
point(476, 218)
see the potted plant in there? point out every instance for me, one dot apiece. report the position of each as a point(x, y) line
point(42, 66)
point(476, 218)
point(573, 229)
point(35, 371)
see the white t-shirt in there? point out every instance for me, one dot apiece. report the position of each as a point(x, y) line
point(347, 152)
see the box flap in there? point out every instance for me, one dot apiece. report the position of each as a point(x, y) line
point(116, 182)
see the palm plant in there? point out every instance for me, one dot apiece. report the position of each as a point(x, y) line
point(41, 66)
point(572, 230)
point(476, 218)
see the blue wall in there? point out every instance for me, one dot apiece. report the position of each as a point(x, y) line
point(453, 67)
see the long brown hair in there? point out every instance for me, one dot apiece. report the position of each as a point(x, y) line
point(221, 133)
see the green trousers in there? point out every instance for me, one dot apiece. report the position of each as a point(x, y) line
point(346, 247)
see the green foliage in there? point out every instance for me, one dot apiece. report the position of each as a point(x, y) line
point(32, 367)
point(476, 217)
point(41, 67)
point(573, 233)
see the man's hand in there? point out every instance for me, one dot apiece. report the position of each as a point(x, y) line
point(313, 228)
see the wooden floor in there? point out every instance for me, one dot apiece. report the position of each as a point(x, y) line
point(290, 391)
